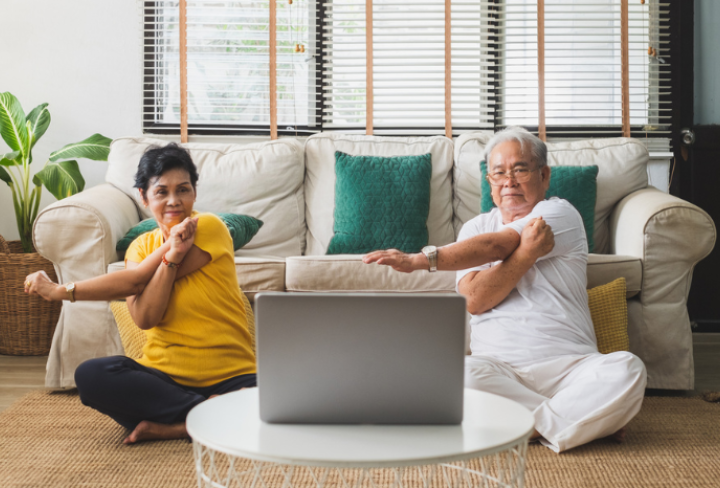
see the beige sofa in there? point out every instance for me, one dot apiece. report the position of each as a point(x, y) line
point(651, 238)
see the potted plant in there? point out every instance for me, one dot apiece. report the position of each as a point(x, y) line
point(27, 323)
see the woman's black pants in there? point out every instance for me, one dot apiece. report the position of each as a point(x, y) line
point(130, 393)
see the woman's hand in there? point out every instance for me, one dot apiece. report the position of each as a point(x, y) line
point(39, 283)
point(182, 237)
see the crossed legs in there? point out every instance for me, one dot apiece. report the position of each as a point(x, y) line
point(144, 400)
point(574, 399)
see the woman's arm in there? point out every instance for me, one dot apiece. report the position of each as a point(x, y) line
point(103, 288)
point(147, 307)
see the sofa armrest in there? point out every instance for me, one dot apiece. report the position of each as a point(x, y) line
point(671, 236)
point(78, 234)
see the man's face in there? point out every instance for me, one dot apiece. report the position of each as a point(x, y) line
point(511, 196)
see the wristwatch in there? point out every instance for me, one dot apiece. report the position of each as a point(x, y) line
point(70, 289)
point(431, 253)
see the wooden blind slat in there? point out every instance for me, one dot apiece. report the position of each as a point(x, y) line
point(625, 68)
point(542, 133)
point(273, 70)
point(448, 70)
point(183, 73)
point(369, 67)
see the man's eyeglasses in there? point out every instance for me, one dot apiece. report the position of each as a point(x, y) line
point(521, 175)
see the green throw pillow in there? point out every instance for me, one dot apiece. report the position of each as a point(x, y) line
point(381, 203)
point(576, 184)
point(242, 229)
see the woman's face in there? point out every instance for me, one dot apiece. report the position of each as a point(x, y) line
point(170, 198)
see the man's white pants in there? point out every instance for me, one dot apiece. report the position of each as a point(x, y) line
point(574, 399)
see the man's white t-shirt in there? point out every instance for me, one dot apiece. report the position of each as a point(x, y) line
point(547, 313)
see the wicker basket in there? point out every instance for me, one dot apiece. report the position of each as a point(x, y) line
point(27, 323)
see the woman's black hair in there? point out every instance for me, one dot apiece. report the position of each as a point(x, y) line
point(158, 160)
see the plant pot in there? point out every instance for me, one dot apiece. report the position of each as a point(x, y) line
point(27, 323)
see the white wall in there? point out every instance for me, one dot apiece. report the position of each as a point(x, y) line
point(83, 57)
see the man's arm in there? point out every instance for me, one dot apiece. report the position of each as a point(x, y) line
point(483, 290)
point(472, 252)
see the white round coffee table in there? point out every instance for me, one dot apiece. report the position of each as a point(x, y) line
point(234, 448)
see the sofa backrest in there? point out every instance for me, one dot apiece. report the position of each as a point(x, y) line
point(263, 180)
point(320, 181)
point(622, 169)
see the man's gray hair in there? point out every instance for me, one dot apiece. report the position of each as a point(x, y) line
point(530, 145)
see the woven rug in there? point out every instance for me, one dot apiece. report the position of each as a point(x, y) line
point(51, 439)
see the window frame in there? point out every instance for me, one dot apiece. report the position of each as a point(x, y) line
point(151, 127)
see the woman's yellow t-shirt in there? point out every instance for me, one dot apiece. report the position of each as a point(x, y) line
point(203, 336)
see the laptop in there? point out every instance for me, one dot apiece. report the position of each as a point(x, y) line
point(338, 358)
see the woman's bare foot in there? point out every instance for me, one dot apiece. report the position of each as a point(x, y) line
point(146, 431)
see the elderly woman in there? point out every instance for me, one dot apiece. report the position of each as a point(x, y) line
point(182, 289)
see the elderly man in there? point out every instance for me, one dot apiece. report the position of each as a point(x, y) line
point(522, 268)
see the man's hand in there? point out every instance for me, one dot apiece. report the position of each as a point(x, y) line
point(397, 260)
point(537, 239)
point(182, 237)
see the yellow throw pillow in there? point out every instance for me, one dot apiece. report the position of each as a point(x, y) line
point(608, 309)
point(133, 338)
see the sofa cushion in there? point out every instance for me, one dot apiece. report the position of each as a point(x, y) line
point(264, 180)
point(242, 229)
point(380, 203)
point(604, 268)
point(320, 181)
point(255, 274)
point(609, 312)
point(621, 162)
point(347, 273)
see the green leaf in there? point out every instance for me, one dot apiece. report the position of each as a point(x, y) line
point(39, 120)
point(95, 147)
point(61, 179)
point(9, 159)
point(5, 176)
point(12, 123)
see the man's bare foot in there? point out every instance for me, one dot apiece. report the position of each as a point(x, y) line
point(146, 431)
point(619, 436)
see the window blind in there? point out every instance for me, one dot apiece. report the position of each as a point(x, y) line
point(228, 65)
point(583, 84)
point(408, 65)
point(322, 56)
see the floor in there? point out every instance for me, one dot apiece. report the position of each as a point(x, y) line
point(22, 374)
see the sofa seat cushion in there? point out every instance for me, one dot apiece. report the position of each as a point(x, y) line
point(255, 274)
point(347, 273)
point(263, 180)
point(604, 268)
point(320, 181)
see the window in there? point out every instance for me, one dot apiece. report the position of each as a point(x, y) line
point(228, 66)
point(321, 66)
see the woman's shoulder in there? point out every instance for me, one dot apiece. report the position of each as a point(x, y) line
point(210, 223)
point(144, 245)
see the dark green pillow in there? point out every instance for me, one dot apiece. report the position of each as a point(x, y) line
point(576, 184)
point(242, 229)
point(381, 203)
